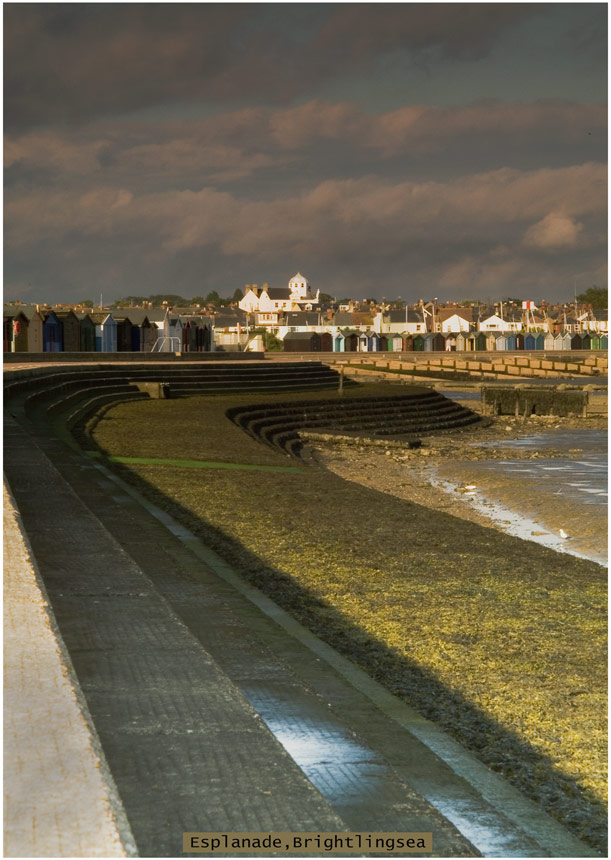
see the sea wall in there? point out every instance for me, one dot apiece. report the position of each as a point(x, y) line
point(523, 402)
point(484, 365)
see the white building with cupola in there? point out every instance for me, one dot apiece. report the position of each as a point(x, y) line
point(268, 303)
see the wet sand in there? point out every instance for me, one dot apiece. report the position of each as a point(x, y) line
point(509, 491)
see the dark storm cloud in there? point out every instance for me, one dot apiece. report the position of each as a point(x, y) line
point(183, 148)
point(71, 62)
point(78, 61)
point(502, 221)
point(455, 30)
point(234, 145)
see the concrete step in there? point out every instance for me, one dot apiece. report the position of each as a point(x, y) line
point(186, 750)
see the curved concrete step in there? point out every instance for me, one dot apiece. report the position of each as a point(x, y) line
point(408, 415)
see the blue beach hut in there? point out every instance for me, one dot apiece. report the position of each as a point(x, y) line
point(373, 341)
point(529, 342)
point(105, 332)
point(52, 333)
point(136, 340)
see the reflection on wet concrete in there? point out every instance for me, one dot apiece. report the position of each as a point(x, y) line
point(365, 789)
point(352, 777)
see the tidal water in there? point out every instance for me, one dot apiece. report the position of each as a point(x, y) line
point(583, 476)
point(544, 499)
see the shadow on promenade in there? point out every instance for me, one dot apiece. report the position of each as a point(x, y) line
point(497, 745)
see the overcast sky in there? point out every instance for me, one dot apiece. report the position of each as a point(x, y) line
point(414, 150)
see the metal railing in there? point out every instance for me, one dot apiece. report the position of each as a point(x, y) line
point(163, 342)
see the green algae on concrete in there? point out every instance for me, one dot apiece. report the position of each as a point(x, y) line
point(204, 464)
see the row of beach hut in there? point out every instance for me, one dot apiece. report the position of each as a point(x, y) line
point(369, 341)
point(67, 331)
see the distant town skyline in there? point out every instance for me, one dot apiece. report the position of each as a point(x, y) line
point(412, 150)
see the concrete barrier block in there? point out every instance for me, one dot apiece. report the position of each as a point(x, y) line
point(573, 368)
point(522, 362)
point(513, 371)
point(547, 365)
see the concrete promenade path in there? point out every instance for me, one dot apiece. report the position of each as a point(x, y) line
point(58, 800)
point(213, 709)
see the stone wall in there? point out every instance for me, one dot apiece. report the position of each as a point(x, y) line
point(484, 365)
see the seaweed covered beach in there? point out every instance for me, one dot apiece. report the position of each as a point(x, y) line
point(499, 640)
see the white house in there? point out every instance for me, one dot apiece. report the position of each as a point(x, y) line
point(399, 322)
point(297, 296)
point(250, 302)
point(302, 321)
point(496, 323)
point(455, 323)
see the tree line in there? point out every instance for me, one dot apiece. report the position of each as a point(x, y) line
point(158, 300)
